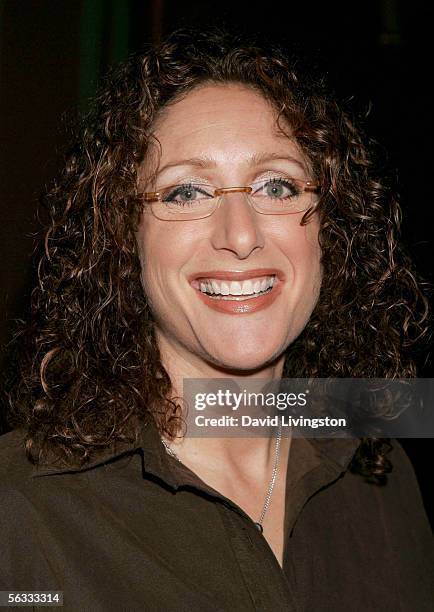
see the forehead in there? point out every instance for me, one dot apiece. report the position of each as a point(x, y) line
point(227, 123)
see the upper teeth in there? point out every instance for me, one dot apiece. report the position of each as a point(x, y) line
point(247, 287)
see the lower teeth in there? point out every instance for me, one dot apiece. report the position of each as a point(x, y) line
point(237, 297)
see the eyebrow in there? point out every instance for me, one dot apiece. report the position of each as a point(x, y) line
point(207, 162)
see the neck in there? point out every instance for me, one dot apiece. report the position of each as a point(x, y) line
point(250, 455)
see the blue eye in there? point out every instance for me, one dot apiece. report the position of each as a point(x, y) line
point(278, 188)
point(185, 193)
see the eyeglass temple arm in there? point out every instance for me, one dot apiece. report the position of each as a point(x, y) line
point(312, 186)
point(151, 196)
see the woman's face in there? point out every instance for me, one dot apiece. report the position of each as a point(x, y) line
point(226, 136)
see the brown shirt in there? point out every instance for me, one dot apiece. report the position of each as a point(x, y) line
point(136, 530)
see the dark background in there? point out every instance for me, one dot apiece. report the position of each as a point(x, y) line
point(53, 52)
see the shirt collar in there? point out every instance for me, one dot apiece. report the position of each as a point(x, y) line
point(54, 465)
point(337, 453)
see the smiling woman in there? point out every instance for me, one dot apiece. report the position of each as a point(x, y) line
point(221, 216)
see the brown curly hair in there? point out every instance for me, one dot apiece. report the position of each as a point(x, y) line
point(91, 370)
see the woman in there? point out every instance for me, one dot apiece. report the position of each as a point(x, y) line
point(220, 217)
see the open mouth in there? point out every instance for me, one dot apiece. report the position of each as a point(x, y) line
point(248, 289)
point(236, 292)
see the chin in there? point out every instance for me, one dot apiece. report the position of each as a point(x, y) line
point(250, 361)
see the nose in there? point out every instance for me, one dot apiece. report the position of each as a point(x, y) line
point(237, 226)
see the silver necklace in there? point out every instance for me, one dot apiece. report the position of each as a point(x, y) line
point(273, 478)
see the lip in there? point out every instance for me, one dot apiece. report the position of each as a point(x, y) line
point(237, 275)
point(239, 306)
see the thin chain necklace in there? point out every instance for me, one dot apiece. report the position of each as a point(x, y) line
point(273, 478)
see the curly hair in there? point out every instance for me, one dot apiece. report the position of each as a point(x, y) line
point(91, 370)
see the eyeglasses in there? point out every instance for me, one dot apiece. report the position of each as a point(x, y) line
point(270, 196)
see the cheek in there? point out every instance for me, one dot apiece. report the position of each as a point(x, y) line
point(301, 247)
point(304, 258)
point(151, 253)
point(163, 250)
point(311, 259)
point(312, 269)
